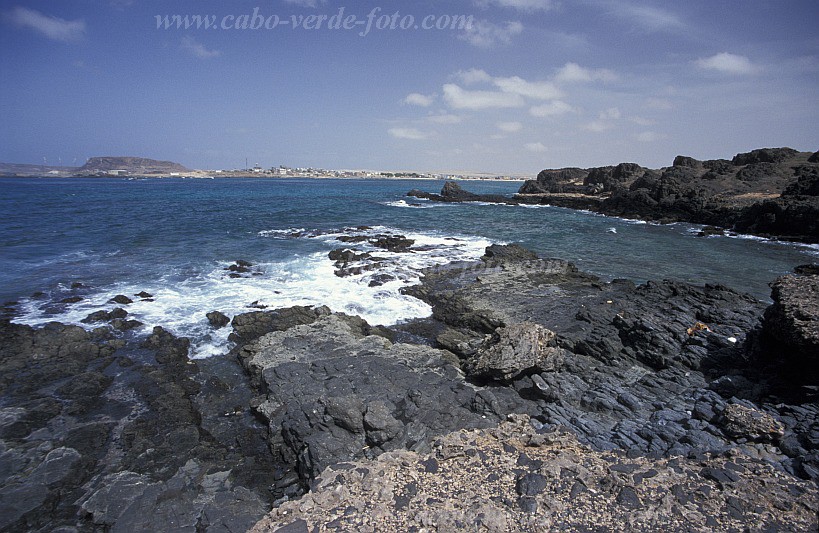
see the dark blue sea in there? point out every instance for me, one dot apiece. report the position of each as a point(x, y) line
point(174, 238)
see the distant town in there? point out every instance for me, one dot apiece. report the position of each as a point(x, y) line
point(138, 168)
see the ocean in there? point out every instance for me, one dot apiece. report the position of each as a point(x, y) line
point(175, 239)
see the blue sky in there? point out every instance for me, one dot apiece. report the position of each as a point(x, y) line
point(530, 84)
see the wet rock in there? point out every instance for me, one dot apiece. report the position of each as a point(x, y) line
point(807, 270)
point(393, 243)
point(71, 300)
point(144, 295)
point(508, 252)
point(121, 299)
point(217, 319)
point(169, 349)
point(250, 326)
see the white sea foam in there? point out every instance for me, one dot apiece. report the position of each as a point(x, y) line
point(413, 205)
point(180, 306)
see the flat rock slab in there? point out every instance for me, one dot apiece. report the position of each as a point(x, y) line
point(335, 393)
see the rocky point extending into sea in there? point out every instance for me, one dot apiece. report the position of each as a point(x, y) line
point(772, 192)
point(535, 397)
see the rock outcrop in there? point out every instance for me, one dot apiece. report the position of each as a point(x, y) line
point(99, 433)
point(792, 322)
point(334, 391)
point(773, 192)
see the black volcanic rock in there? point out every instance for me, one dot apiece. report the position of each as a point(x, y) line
point(684, 161)
point(790, 217)
point(740, 194)
point(218, 319)
point(508, 252)
point(764, 155)
point(452, 192)
point(250, 326)
point(807, 182)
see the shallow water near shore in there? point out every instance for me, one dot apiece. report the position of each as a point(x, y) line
point(175, 238)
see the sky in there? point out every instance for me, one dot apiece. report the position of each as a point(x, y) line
point(500, 86)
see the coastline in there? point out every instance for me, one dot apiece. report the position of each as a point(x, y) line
point(563, 356)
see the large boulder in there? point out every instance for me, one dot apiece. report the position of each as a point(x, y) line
point(792, 321)
point(250, 326)
point(454, 191)
point(514, 350)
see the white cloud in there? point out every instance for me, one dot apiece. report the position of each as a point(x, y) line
point(660, 104)
point(408, 133)
point(444, 119)
point(510, 127)
point(649, 136)
point(52, 27)
point(728, 63)
point(650, 18)
point(611, 113)
point(572, 72)
point(540, 90)
point(598, 126)
point(551, 109)
point(640, 121)
point(537, 147)
point(306, 3)
point(197, 49)
point(523, 5)
point(485, 34)
point(459, 98)
point(419, 99)
point(472, 76)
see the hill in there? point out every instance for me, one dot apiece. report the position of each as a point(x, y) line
point(131, 165)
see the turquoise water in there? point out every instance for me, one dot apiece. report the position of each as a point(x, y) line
point(174, 237)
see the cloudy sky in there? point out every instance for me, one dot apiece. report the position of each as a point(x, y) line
point(515, 86)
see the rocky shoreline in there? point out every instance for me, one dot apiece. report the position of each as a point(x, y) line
point(770, 192)
point(536, 396)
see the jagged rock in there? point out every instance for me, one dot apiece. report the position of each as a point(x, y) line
point(793, 319)
point(393, 243)
point(218, 319)
point(250, 326)
point(122, 299)
point(169, 348)
point(516, 349)
point(739, 194)
point(684, 161)
point(508, 252)
point(763, 155)
point(739, 421)
point(806, 184)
